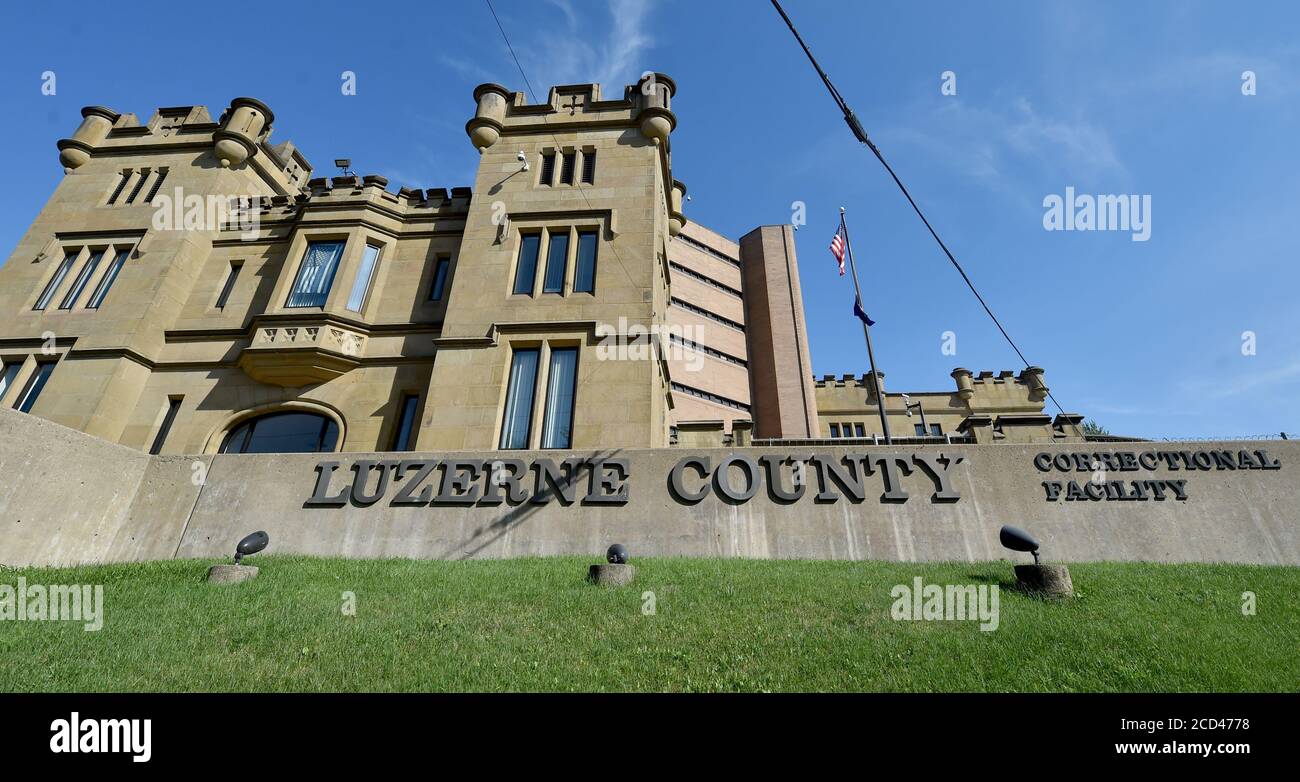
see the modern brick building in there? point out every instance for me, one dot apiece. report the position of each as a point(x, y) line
point(563, 301)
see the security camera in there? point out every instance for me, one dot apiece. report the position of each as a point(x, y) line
point(522, 159)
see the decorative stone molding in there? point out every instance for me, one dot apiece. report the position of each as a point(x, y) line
point(301, 353)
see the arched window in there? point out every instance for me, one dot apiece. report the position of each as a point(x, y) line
point(285, 432)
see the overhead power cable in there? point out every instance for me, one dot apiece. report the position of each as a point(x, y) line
point(861, 135)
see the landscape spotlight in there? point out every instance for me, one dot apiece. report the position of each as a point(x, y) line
point(617, 554)
point(251, 545)
point(1017, 539)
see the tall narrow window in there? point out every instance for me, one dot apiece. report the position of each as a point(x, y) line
point(835, 430)
point(439, 279)
point(589, 167)
point(557, 262)
point(79, 285)
point(8, 372)
point(859, 430)
point(526, 269)
point(57, 280)
point(229, 285)
point(110, 274)
point(173, 407)
point(157, 184)
point(566, 168)
point(548, 169)
point(365, 274)
point(584, 275)
point(121, 185)
point(557, 425)
point(404, 437)
point(139, 184)
point(517, 425)
point(312, 285)
point(33, 388)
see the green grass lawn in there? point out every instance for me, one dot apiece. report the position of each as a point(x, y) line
point(729, 625)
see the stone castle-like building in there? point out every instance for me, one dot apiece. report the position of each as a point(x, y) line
point(336, 315)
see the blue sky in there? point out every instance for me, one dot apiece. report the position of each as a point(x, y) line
point(1105, 97)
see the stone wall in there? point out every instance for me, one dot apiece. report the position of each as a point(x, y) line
point(69, 497)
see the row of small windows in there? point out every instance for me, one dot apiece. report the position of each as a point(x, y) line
point(137, 181)
point(315, 278)
point(87, 273)
point(708, 351)
point(707, 249)
point(554, 278)
point(848, 430)
point(31, 389)
point(568, 164)
point(706, 313)
point(855, 429)
point(708, 397)
point(707, 280)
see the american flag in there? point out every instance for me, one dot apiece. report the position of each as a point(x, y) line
point(837, 247)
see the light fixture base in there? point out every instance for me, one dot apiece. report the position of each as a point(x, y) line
point(231, 574)
point(1045, 580)
point(611, 574)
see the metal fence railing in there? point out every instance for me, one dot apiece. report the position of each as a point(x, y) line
point(941, 439)
point(1111, 438)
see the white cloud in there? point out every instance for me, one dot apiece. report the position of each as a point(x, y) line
point(992, 145)
point(1251, 382)
point(572, 55)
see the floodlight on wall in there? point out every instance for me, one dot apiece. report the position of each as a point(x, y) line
point(344, 165)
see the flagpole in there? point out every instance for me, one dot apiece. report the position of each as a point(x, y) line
point(866, 332)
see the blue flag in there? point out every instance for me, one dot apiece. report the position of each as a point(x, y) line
point(860, 313)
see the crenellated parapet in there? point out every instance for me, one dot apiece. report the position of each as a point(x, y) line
point(986, 406)
point(241, 137)
point(647, 105)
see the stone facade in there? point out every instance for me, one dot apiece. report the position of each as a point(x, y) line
point(171, 318)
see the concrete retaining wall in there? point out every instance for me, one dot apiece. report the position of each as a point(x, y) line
point(67, 497)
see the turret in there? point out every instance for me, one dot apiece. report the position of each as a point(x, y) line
point(656, 118)
point(244, 125)
point(96, 122)
point(676, 219)
point(486, 126)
